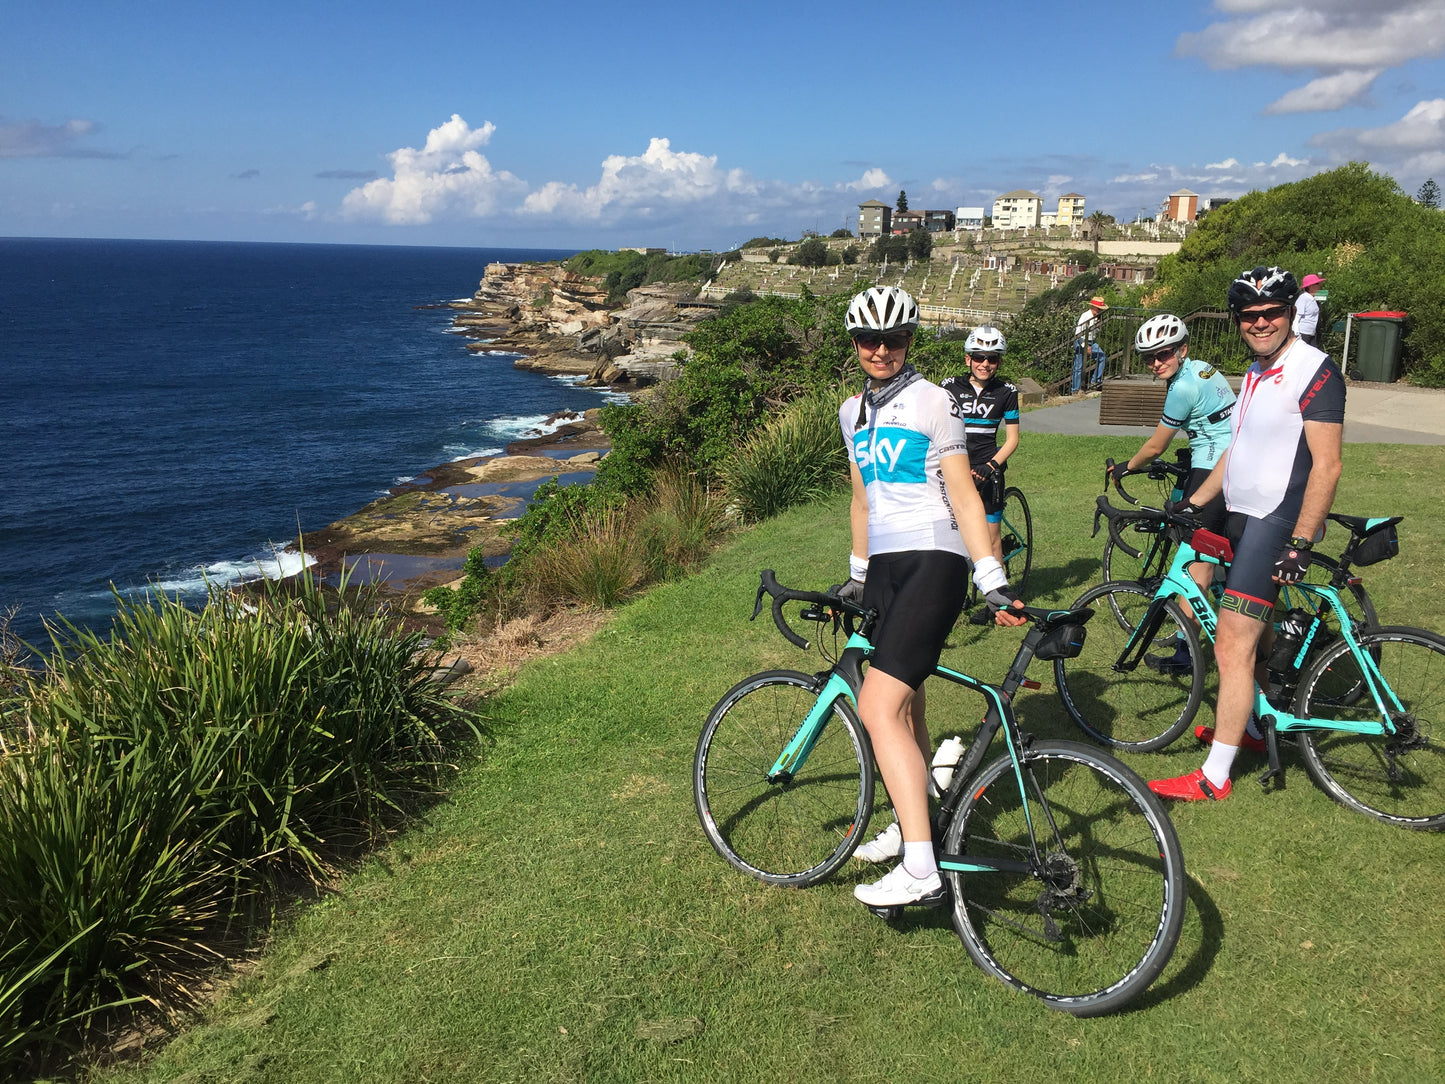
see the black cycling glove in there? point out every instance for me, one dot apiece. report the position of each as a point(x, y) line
point(852, 591)
point(1185, 510)
point(1290, 568)
point(986, 470)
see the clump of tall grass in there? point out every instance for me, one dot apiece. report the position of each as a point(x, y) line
point(795, 457)
point(597, 562)
point(157, 780)
point(680, 525)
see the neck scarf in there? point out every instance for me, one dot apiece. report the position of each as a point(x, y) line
point(880, 396)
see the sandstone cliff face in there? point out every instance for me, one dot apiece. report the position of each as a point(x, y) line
point(561, 322)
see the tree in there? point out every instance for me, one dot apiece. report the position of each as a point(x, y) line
point(902, 200)
point(841, 234)
point(920, 244)
point(1429, 195)
point(813, 252)
point(850, 254)
point(1094, 228)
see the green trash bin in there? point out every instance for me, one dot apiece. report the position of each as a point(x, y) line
point(1378, 357)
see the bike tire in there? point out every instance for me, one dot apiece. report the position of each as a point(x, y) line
point(1018, 538)
point(1398, 779)
point(789, 833)
point(1097, 924)
point(1142, 710)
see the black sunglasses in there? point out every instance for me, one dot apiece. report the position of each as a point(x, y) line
point(871, 340)
point(987, 359)
point(1270, 314)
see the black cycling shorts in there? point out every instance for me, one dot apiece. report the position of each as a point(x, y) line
point(1250, 589)
point(991, 490)
point(1212, 515)
point(918, 595)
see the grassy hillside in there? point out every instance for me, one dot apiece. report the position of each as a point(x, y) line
point(563, 918)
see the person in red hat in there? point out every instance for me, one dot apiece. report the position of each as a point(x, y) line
point(1307, 309)
point(1085, 333)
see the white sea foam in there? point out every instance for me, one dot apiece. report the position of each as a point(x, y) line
point(465, 451)
point(531, 425)
point(195, 581)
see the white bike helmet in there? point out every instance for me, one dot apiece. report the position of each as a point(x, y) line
point(1160, 331)
point(985, 339)
point(1260, 285)
point(882, 308)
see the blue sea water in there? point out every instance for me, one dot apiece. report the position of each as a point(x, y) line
point(177, 412)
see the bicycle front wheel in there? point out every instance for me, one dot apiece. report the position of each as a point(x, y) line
point(785, 831)
point(1017, 529)
point(1397, 778)
point(1098, 918)
point(1143, 709)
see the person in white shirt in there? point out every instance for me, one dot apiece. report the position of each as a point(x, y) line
point(1307, 310)
point(1085, 332)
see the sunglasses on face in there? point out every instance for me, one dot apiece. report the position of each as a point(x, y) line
point(1270, 314)
point(872, 340)
point(1161, 355)
point(984, 359)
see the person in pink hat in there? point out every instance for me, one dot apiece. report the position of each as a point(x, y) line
point(1307, 309)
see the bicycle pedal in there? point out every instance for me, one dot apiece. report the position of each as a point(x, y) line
point(887, 914)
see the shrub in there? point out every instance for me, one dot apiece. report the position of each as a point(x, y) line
point(155, 780)
point(795, 457)
point(597, 563)
point(679, 526)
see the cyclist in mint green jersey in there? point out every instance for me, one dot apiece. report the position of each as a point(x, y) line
point(1199, 402)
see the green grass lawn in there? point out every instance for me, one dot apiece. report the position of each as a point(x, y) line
point(563, 918)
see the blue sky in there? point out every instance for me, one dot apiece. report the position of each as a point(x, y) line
point(577, 124)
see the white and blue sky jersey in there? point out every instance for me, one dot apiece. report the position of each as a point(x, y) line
point(898, 452)
point(1200, 402)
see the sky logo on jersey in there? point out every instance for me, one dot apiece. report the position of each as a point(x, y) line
point(887, 454)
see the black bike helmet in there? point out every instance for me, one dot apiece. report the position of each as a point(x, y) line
point(1261, 285)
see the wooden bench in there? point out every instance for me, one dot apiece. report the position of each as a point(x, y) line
point(1137, 400)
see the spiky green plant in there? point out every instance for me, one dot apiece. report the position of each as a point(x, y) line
point(795, 457)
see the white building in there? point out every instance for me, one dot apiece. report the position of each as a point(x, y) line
point(1017, 210)
point(968, 218)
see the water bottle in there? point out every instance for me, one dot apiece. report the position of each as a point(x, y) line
point(948, 755)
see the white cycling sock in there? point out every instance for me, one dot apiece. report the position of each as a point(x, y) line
point(1219, 761)
point(918, 859)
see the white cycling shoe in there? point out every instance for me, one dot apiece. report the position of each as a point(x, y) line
point(886, 845)
point(897, 888)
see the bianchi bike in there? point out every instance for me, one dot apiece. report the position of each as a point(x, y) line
point(1365, 704)
point(1063, 871)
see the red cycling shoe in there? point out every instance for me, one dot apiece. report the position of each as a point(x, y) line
point(1193, 787)
point(1249, 741)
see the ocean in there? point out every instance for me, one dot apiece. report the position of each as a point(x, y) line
point(176, 413)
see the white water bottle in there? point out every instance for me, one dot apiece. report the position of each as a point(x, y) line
point(948, 755)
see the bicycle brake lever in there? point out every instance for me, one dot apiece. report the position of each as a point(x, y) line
point(758, 605)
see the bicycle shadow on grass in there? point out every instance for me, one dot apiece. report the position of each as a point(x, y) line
point(1192, 960)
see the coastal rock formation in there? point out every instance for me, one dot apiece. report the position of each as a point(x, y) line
point(561, 323)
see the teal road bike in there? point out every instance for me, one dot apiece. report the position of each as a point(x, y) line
point(1064, 872)
point(1365, 704)
point(1016, 528)
point(1140, 547)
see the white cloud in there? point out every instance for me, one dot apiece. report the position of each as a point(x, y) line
point(306, 211)
point(31, 139)
point(658, 179)
point(1228, 163)
point(871, 179)
point(1282, 159)
point(1414, 144)
point(1289, 34)
point(447, 176)
point(1327, 93)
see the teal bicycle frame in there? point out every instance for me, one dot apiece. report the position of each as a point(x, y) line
point(844, 682)
point(1177, 581)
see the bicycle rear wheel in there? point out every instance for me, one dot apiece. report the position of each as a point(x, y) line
point(1090, 929)
point(791, 831)
point(1017, 528)
point(1145, 709)
point(1396, 778)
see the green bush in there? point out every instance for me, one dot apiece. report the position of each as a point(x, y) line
point(795, 457)
point(679, 526)
point(155, 780)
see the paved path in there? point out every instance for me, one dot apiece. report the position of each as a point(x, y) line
point(1374, 414)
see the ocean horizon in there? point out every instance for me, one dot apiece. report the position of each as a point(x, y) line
point(179, 412)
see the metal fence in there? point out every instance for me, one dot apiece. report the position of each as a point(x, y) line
point(1212, 338)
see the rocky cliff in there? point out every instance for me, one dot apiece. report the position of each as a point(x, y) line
point(561, 322)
